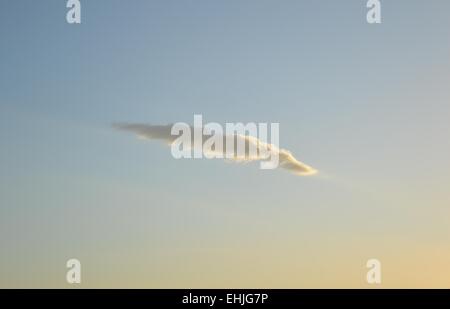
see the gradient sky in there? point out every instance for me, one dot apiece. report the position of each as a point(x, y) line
point(367, 105)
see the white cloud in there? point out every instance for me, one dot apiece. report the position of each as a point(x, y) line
point(163, 132)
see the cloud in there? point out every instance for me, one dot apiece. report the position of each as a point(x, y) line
point(163, 133)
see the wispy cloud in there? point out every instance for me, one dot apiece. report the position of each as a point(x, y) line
point(163, 133)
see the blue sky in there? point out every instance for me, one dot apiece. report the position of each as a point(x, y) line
point(368, 105)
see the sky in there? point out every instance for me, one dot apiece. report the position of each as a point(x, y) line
point(366, 105)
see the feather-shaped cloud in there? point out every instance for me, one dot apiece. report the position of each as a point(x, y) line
point(163, 132)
